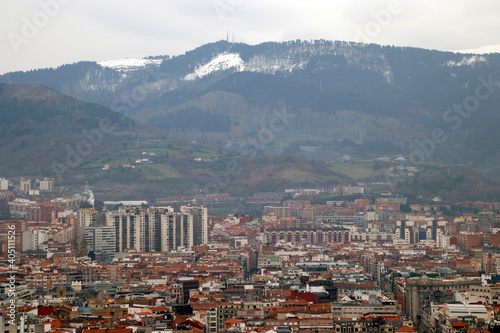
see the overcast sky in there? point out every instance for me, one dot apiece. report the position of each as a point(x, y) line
point(49, 33)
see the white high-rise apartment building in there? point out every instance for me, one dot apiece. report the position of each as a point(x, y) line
point(158, 228)
point(101, 241)
point(176, 231)
point(4, 184)
point(200, 223)
point(154, 224)
point(130, 226)
point(89, 217)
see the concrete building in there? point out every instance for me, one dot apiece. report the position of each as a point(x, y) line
point(465, 310)
point(153, 216)
point(4, 184)
point(176, 231)
point(416, 286)
point(485, 219)
point(307, 236)
point(22, 324)
point(131, 230)
point(63, 235)
point(42, 212)
point(187, 284)
point(200, 223)
point(219, 314)
point(33, 239)
point(101, 242)
point(406, 233)
point(485, 294)
point(158, 228)
point(466, 241)
point(46, 280)
point(269, 261)
point(357, 310)
point(47, 185)
point(371, 236)
point(278, 211)
point(354, 190)
point(336, 218)
point(89, 217)
point(18, 207)
point(25, 185)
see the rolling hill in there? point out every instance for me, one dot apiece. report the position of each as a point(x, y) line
point(44, 133)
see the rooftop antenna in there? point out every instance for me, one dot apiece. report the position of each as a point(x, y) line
point(227, 36)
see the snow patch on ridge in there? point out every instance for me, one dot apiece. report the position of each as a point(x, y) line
point(129, 64)
point(221, 62)
point(271, 65)
point(466, 61)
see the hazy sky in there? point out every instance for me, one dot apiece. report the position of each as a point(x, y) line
point(48, 33)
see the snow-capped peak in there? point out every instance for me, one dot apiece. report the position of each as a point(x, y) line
point(129, 64)
point(221, 62)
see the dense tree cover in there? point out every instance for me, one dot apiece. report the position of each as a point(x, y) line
point(193, 119)
point(452, 185)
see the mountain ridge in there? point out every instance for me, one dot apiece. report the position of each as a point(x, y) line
point(355, 93)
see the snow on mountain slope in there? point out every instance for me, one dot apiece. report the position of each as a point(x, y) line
point(129, 64)
point(271, 65)
point(221, 62)
point(467, 61)
point(260, 64)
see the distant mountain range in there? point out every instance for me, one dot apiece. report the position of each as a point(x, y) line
point(322, 100)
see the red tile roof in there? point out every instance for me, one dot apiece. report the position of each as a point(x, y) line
point(459, 324)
